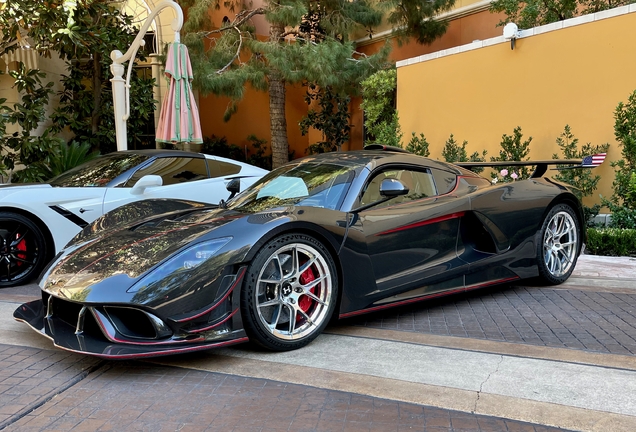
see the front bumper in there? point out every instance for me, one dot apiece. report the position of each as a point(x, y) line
point(124, 331)
point(65, 336)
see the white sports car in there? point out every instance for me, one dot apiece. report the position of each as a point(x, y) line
point(37, 220)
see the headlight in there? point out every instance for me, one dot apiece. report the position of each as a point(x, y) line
point(181, 266)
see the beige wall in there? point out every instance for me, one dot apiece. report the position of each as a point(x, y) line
point(54, 68)
point(575, 75)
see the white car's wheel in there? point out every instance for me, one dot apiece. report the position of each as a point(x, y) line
point(23, 251)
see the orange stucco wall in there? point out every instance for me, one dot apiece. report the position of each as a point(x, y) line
point(252, 117)
point(253, 113)
point(575, 75)
point(481, 25)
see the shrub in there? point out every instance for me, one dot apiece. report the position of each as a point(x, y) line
point(624, 168)
point(453, 152)
point(332, 119)
point(258, 157)
point(218, 146)
point(68, 156)
point(513, 149)
point(418, 145)
point(623, 201)
point(532, 13)
point(624, 216)
point(381, 119)
point(26, 147)
point(583, 180)
point(611, 241)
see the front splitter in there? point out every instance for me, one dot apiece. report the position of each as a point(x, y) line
point(65, 337)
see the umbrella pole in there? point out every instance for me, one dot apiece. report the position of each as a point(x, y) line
point(121, 87)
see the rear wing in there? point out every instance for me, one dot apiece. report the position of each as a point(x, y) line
point(541, 166)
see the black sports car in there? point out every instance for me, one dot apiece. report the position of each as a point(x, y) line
point(334, 235)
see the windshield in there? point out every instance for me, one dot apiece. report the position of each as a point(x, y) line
point(99, 171)
point(305, 184)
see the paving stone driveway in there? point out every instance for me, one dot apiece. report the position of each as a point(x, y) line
point(592, 321)
point(100, 395)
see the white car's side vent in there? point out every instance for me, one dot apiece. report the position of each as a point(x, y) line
point(70, 216)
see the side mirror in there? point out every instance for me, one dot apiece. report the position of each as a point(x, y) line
point(233, 187)
point(391, 188)
point(145, 182)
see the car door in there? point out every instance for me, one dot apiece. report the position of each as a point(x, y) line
point(182, 177)
point(412, 239)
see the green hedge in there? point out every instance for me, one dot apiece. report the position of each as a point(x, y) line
point(611, 241)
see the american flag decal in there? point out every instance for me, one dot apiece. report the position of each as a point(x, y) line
point(593, 160)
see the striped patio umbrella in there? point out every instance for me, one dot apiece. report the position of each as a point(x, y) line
point(179, 118)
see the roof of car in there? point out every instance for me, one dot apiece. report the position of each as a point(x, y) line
point(164, 153)
point(375, 158)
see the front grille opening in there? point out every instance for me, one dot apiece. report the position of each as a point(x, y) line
point(69, 312)
point(131, 323)
point(66, 311)
point(91, 327)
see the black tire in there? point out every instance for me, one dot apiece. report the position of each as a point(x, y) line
point(559, 245)
point(286, 302)
point(23, 250)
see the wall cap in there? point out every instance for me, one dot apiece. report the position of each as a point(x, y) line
point(461, 12)
point(584, 19)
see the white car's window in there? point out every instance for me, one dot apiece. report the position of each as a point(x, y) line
point(222, 169)
point(99, 171)
point(172, 170)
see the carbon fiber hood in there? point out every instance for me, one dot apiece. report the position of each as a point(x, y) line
point(128, 252)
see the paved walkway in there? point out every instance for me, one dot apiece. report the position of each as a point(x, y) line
point(509, 358)
point(141, 396)
point(563, 318)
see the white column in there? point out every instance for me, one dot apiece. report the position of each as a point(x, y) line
point(120, 86)
point(119, 101)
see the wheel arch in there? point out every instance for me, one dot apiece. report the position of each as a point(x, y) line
point(39, 222)
point(571, 200)
point(313, 230)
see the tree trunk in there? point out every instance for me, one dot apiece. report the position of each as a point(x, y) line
point(278, 121)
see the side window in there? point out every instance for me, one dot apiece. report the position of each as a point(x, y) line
point(172, 170)
point(222, 169)
point(419, 183)
point(444, 180)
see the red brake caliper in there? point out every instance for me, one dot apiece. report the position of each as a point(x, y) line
point(305, 302)
point(22, 247)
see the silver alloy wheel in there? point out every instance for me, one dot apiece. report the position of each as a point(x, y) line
point(560, 243)
point(294, 291)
